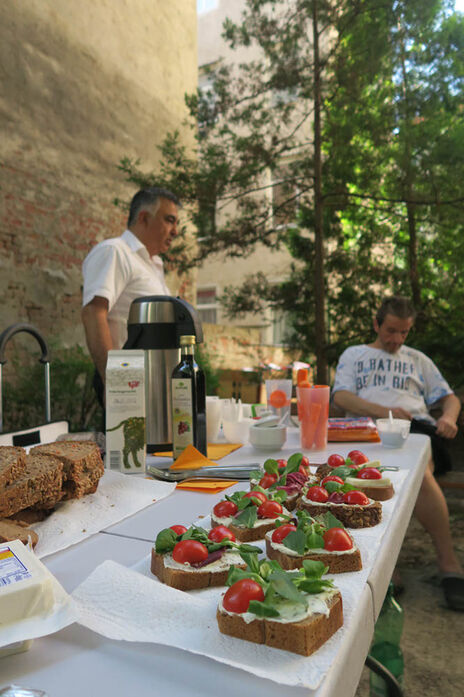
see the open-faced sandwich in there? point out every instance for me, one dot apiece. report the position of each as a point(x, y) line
point(285, 475)
point(360, 473)
point(250, 514)
point(292, 610)
point(351, 506)
point(193, 558)
point(321, 539)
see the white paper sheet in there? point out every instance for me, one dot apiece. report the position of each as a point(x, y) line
point(117, 497)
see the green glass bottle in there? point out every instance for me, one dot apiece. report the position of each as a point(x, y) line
point(386, 644)
point(188, 392)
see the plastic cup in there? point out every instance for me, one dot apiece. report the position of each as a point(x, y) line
point(278, 397)
point(213, 418)
point(313, 414)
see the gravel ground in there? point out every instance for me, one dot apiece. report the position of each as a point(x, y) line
point(432, 641)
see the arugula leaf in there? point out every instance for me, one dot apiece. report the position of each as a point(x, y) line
point(247, 517)
point(282, 584)
point(296, 541)
point(262, 609)
point(165, 541)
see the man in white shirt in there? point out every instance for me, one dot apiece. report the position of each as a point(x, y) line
point(118, 270)
point(372, 379)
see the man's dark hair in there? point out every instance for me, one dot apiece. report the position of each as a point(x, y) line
point(397, 305)
point(148, 198)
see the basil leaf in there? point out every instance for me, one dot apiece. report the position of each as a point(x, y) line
point(343, 471)
point(282, 584)
point(271, 466)
point(246, 548)
point(296, 541)
point(165, 541)
point(247, 518)
point(293, 462)
point(315, 541)
point(261, 609)
point(332, 486)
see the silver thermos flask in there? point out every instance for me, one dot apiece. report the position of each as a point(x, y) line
point(155, 324)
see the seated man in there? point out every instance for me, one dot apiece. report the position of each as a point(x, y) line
point(372, 379)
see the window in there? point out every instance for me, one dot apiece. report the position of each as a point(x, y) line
point(284, 198)
point(206, 5)
point(207, 304)
point(281, 328)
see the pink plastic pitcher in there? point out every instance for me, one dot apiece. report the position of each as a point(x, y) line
point(313, 414)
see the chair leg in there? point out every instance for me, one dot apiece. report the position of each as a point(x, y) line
point(393, 686)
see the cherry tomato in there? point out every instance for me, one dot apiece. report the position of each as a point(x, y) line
point(356, 497)
point(267, 480)
point(303, 470)
point(335, 460)
point(317, 493)
point(332, 478)
point(257, 497)
point(179, 529)
point(358, 457)
point(225, 509)
point(281, 532)
point(281, 463)
point(189, 551)
point(270, 509)
point(219, 533)
point(237, 597)
point(304, 461)
point(369, 473)
point(336, 497)
point(337, 540)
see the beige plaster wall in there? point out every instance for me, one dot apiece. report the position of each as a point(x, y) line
point(82, 84)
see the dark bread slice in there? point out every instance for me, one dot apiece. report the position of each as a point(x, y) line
point(39, 485)
point(184, 579)
point(31, 515)
point(377, 493)
point(83, 465)
point(14, 530)
point(337, 563)
point(351, 516)
point(12, 463)
point(303, 637)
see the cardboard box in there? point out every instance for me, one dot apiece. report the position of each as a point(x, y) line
point(125, 411)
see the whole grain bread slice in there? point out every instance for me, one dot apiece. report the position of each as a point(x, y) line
point(15, 530)
point(39, 485)
point(303, 637)
point(12, 463)
point(82, 462)
point(187, 579)
point(351, 516)
point(338, 563)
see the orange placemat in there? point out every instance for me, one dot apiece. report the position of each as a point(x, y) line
point(215, 451)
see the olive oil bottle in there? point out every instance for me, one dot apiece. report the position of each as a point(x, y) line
point(188, 390)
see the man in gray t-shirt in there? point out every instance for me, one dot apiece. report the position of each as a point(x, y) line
point(372, 379)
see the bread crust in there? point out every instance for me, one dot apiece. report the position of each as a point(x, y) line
point(82, 462)
point(39, 485)
point(184, 579)
point(303, 637)
point(246, 534)
point(337, 563)
point(350, 516)
point(377, 493)
point(16, 530)
point(12, 463)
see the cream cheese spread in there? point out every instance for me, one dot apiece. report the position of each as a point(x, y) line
point(222, 564)
point(332, 503)
point(230, 520)
point(291, 612)
point(291, 553)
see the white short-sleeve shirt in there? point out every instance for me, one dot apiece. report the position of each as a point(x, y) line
point(120, 269)
point(407, 378)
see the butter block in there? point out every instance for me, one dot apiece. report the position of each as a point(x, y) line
point(26, 585)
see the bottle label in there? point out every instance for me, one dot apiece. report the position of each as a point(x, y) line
point(182, 414)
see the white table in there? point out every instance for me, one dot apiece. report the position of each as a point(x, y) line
point(76, 662)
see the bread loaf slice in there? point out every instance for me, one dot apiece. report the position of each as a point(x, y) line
point(338, 563)
point(303, 637)
point(12, 463)
point(82, 462)
point(40, 484)
point(352, 516)
point(11, 530)
point(189, 578)
point(242, 533)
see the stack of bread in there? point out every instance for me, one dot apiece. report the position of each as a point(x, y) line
point(31, 485)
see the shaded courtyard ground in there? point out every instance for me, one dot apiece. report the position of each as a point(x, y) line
point(433, 635)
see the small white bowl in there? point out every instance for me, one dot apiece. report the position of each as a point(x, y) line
point(268, 438)
point(393, 434)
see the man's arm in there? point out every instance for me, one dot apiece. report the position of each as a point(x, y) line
point(446, 424)
point(357, 405)
point(97, 332)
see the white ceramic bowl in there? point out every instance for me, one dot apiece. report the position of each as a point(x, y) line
point(393, 435)
point(236, 431)
point(267, 438)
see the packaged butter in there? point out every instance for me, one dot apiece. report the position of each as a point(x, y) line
point(26, 589)
point(125, 411)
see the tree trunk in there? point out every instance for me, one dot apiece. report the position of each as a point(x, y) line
point(319, 288)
